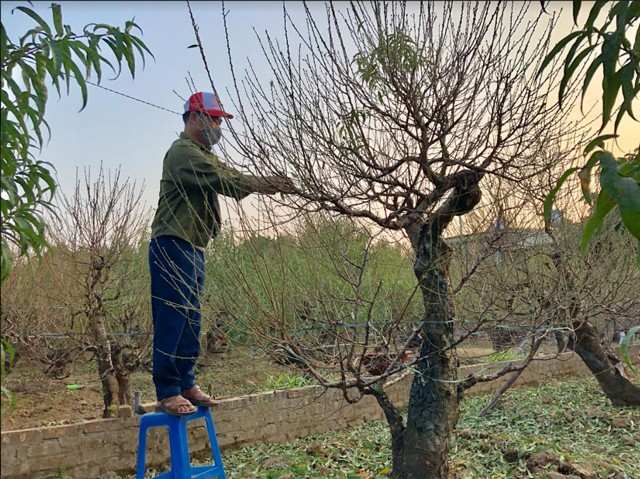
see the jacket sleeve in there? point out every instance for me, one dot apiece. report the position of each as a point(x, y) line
point(191, 168)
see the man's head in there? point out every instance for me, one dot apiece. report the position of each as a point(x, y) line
point(202, 117)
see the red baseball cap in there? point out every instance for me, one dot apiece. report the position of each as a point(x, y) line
point(207, 103)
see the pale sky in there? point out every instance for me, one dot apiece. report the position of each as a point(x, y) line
point(118, 131)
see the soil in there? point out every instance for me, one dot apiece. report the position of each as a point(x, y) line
point(42, 401)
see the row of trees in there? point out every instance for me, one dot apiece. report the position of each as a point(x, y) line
point(327, 295)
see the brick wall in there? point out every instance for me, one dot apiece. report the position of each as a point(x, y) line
point(93, 448)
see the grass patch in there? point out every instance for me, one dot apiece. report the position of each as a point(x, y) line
point(572, 422)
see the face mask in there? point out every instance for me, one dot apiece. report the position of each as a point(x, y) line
point(211, 134)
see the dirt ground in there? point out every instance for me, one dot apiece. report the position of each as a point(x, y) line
point(42, 401)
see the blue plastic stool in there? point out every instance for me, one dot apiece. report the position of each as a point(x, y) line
point(179, 446)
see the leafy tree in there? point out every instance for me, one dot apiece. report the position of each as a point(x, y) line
point(49, 52)
point(611, 48)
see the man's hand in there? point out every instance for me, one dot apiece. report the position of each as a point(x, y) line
point(270, 185)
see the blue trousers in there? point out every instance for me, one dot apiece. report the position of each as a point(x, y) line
point(177, 279)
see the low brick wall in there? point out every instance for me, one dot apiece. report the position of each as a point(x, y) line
point(91, 449)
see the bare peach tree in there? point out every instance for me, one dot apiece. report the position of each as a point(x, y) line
point(529, 278)
point(101, 226)
point(395, 113)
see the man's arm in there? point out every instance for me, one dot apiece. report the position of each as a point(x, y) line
point(270, 185)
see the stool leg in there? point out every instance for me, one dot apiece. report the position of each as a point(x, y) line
point(215, 447)
point(142, 450)
point(179, 447)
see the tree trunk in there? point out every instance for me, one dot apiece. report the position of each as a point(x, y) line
point(105, 365)
point(124, 388)
point(433, 401)
point(122, 367)
point(588, 345)
point(619, 390)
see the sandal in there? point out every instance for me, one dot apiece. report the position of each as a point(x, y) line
point(176, 406)
point(197, 397)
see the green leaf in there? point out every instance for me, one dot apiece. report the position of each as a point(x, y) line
point(115, 48)
point(629, 204)
point(80, 81)
point(622, 190)
point(548, 201)
point(610, 88)
point(57, 19)
point(604, 205)
point(585, 175)
point(576, 11)
point(142, 48)
point(57, 55)
point(598, 142)
point(626, 342)
point(593, 14)
point(627, 73)
point(559, 46)
point(569, 71)
point(609, 174)
point(129, 56)
point(636, 45)
point(621, 16)
point(4, 43)
point(7, 261)
point(587, 78)
point(633, 13)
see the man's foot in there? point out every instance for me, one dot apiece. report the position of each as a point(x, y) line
point(176, 406)
point(197, 397)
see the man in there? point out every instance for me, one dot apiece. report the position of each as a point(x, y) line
point(188, 216)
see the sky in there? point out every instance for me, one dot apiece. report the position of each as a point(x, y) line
point(120, 132)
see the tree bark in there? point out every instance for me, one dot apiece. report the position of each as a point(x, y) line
point(619, 390)
point(123, 366)
point(433, 401)
point(105, 365)
point(124, 388)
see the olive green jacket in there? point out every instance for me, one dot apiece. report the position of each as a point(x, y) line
point(192, 179)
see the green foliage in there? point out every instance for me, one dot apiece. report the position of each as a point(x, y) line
point(505, 355)
point(572, 420)
point(6, 357)
point(619, 180)
point(60, 56)
point(619, 62)
point(395, 53)
point(285, 381)
point(615, 50)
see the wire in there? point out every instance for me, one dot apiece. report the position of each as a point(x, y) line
point(132, 98)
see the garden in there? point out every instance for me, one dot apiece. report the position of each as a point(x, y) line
point(439, 211)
